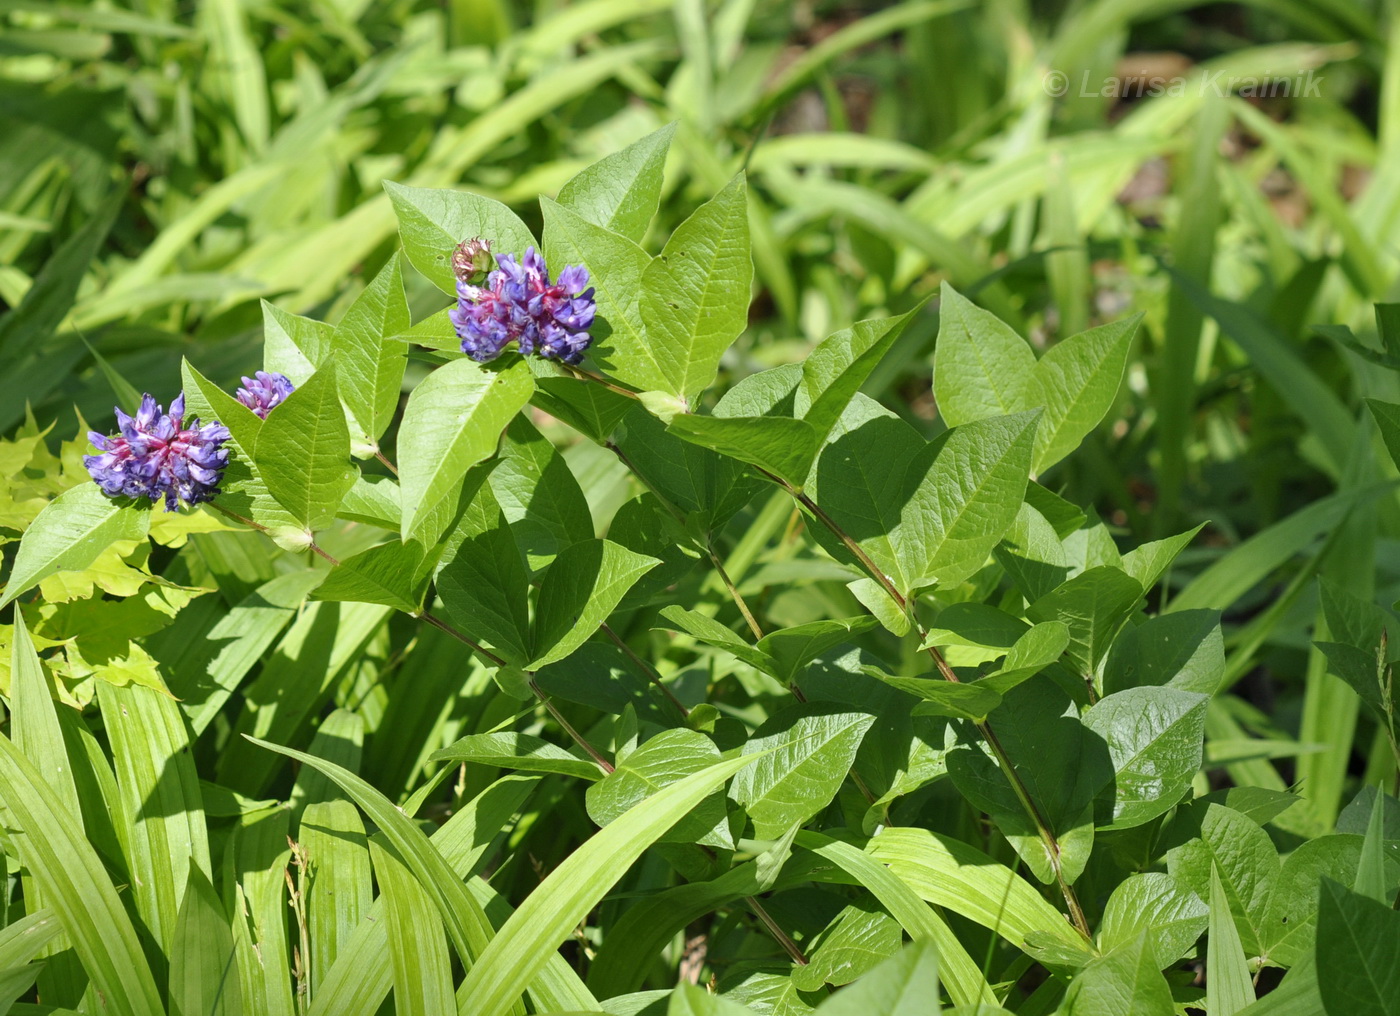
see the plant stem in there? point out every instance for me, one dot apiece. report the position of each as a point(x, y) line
point(553, 710)
point(783, 939)
point(733, 591)
point(387, 464)
point(645, 667)
point(311, 545)
point(583, 375)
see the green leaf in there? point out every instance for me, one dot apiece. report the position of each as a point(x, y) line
point(466, 923)
point(524, 752)
point(1062, 765)
point(1155, 739)
point(69, 534)
point(293, 345)
point(1184, 650)
point(970, 495)
point(484, 588)
point(302, 451)
point(1247, 864)
point(690, 1000)
point(1228, 987)
point(906, 984)
point(1153, 902)
point(982, 367)
point(159, 791)
point(665, 759)
point(550, 913)
point(943, 698)
point(578, 592)
point(833, 372)
point(776, 444)
point(858, 938)
point(539, 495)
point(417, 947)
point(74, 882)
point(387, 574)
point(341, 893)
point(34, 723)
point(1076, 382)
point(203, 979)
point(452, 421)
point(791, 649)
point(433, 222)
point(1125, 982)
point(711, 632)
point(621, 192)
point(369, 359)
point(1358, 954)
point(615, 266)
point(806, 751)
point(1147, 562)
point(1040, 646)
point(695, 294)
point(1094, 605)
point(1290, 924)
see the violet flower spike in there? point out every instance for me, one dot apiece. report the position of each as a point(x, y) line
point(264, 392)
point(157, 454)
point(520, 304)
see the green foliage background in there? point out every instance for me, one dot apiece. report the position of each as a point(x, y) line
point(1188, 604)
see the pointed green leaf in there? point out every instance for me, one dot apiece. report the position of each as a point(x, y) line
point(578, 592)
point(621, 192)
point(834, 371)
point(981, 367)
point(1076, 382)
point(668, 757)
point(1228, 987)
point(808, 750)
point(417, 946)
point(776, 444)
point(433, 222)
point(1358, 954)
point(369, 359)
point(69, 534)
point(1155, 738)
point(203, 978)
point(695, 294)
point(524, 752)
point(302, 451)
point(1125, 982)
point(388, 574)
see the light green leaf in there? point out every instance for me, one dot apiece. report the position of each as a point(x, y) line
point(1228, 987)
point(484, 587)
point(524, 752)
point(1148, 561)
point(341, 892)
point(695, 295)
point(807, 750)
point(1094, 605)
point(302, 451)
point(203, 980)
point(388, 573)
point(858, 938)
point(74, 882)
point(369, 359)
point(550, 913)
point(615, 266)
point(621, 192)
point(906, 984)
point(834, 371)
point(1040, 646)
point(776, 444)
point(417, 947)
point(433, 222)
point(1076, 382)
point(1125, 982)
point(661, 761)
point(69, 534)
point(943, 698)
point(1153, 902)
point(970, 495)
point(793, 648)
point(982, 367)
point(578, 592)
point(1247, 865)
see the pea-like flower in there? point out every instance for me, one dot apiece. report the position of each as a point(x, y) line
point(157, 454)
point(264, 392)
point(520, 304)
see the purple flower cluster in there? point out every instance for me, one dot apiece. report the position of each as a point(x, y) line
point(264, 392)
point(519, 303)
point(159, 454)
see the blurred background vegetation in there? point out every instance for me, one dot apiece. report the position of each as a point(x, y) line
point(165, 166)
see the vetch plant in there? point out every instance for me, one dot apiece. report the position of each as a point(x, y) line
point(609, 695)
